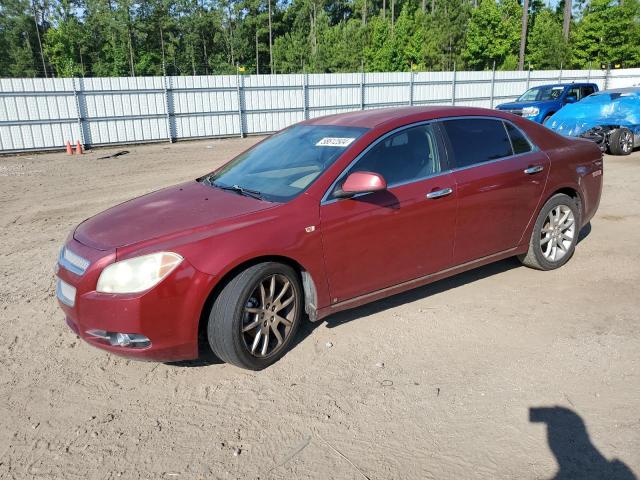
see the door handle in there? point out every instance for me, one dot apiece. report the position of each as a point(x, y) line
point(534, 169)
point(440, 193)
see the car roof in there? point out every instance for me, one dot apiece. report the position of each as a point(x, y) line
point(377, 117)
point(620, 90)
point(563, 84)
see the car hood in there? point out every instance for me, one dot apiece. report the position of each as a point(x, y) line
point(577, 118)
point(170, 211)
point(521, 105)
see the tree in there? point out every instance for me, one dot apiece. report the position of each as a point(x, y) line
point(608, 33)
point(546, 48)
point(493, 35)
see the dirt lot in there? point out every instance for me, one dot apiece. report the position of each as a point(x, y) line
point(437, 383)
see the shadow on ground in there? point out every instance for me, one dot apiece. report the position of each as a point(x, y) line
point(577, 457)
point(333, 321)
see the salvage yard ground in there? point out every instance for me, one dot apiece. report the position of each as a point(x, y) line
point(440, 383)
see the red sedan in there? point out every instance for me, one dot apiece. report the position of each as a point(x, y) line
point(325, 215)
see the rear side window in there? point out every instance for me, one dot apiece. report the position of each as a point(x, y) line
point(587, 90)
point(518, 140)
point(477, 140)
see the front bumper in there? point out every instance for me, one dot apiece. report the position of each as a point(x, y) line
point(167, 314)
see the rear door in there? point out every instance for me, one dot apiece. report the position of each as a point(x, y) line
point(500, 177)
point(381, 239)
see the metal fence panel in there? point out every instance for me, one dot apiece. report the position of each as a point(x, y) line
point(39, 114)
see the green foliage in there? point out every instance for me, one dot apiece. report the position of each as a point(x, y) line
point(493, 35)
point(201, 37)
point(608, 33)
point(546, 47)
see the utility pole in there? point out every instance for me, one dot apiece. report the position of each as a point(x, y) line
point(257, 58)
point(393, 14)
point(523, 33)
point(566, 22)
point(270, 39)
point(35, 19)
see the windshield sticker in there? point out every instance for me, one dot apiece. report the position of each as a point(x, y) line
point(335, 142)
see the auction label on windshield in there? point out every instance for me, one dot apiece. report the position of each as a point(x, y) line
point(335, 142)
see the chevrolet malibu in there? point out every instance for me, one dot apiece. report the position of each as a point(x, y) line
point(323, 216)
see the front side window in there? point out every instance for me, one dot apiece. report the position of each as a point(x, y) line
point(408, 155)
point(285, 164)
point(574, 92)
point(477, 140)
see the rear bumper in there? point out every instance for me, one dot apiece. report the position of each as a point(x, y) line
point(167, 314)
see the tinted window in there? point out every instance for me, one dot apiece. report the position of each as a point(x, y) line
point(518, 140)
point(574, 92)
point(586, 91)
point(407, 155)
point(477, 140)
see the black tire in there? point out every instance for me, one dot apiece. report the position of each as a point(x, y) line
point(547, 118)
point(228, 317)
point(621, 141)
point(535, 257)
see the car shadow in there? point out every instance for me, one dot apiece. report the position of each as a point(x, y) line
point(207, 357)
point(577, 457)
point(584, 233)
point(340, 318)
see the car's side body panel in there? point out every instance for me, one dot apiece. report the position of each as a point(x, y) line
point(386, 238)
point(496, 202)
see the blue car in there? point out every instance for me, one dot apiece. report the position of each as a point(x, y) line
point(539, 103)
point(610, 118)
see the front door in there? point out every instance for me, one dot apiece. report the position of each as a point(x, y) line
point(381, 239)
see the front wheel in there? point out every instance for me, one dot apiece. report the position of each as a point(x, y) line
point(554, 235)
point(621, 141)
point(256, 315)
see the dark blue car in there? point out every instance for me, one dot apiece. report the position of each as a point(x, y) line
point(539, 103)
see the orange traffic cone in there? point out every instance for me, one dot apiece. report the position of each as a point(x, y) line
point(69, 150)
point(79, 148)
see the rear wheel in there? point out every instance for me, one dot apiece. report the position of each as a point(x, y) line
point(554, 235)
point(256, 315)
point(621, 141)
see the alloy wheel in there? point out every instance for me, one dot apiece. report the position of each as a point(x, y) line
point(558, 233)
point(268, 315)
point(626, 141)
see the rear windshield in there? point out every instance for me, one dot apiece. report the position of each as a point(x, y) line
point(285, 164)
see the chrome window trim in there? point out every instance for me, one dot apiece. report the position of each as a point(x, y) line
point(72, 267)
point(534, 148)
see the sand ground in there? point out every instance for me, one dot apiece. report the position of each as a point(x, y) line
point(438, 383)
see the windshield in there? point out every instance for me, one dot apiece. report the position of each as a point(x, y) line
point(541, 94)
point(285, 164)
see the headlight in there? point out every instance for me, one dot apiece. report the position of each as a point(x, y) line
point(530, 111)
point(137, 274)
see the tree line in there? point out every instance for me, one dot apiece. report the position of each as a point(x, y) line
point(63, 38)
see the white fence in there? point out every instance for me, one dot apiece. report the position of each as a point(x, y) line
point(40, 114)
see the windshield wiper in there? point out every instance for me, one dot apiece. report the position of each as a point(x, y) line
point(242, 191)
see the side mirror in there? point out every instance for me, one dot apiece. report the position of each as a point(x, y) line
point(571, 99)
point(361, 182)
